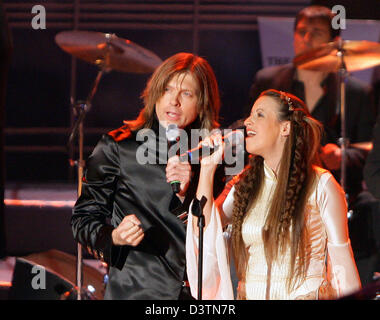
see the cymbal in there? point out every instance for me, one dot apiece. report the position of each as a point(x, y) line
point(358, 55)
point(108, 51)
point(367, 146)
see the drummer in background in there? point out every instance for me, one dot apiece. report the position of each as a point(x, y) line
point(318, 89)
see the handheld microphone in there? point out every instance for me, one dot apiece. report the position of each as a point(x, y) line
point(234, 138)
point(172, 135)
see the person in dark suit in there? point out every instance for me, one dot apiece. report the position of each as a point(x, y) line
point(372, 165)
point(319, 90)
point(127, 214)
point(372, 179)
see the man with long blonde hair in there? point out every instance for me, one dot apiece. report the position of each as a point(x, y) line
point(144, 242)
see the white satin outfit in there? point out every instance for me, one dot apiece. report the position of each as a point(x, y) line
point(331, 272)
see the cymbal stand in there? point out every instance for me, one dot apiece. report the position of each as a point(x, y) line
point(341, 106)
point(81, 109)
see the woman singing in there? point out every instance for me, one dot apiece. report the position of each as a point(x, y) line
point(289, 217)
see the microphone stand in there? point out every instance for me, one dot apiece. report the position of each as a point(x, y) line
point(197, 210)
point(82, 108)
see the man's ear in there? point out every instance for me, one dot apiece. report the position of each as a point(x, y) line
point(285, 128)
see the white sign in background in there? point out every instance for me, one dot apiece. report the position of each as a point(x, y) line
point(276, 40)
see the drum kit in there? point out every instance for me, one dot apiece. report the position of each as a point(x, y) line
point(109, 52)
point(341, 57)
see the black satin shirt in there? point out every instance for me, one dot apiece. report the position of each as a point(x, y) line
point(115, 185)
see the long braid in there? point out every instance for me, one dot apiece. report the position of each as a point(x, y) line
point(297, 174)
point(298, 185)
point(289, 209)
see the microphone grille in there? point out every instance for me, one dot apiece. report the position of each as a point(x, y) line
point(172, 132)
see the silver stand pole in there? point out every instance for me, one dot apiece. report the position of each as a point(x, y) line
point(82, 109)
point(343, 141)
point(342, 72)
point(197, 210)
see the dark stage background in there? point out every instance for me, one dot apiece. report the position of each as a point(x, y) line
point(37, 115)
point(38, 111)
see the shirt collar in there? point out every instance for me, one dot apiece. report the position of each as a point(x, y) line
point(269, 173)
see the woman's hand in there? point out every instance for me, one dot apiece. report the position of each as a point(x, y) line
point(213, 141)
point(128, 232)
point(206, 177)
